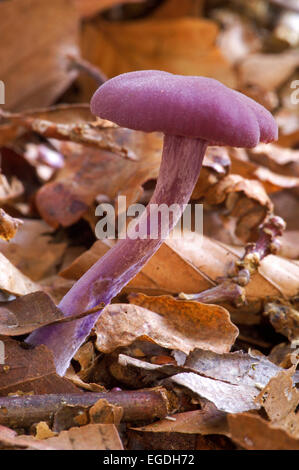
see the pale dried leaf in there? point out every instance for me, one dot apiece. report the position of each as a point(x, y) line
point(170, 323)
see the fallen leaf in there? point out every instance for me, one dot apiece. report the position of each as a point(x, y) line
point(171, 323)
point(268, 71)
point(90, 437)
point(280, 400)
point(13, 281)
point(231, 389)
point(197, 262)
point(33, 250)
point(27, 313)
point(252, 432)
point(178, 45)
point(41, 59)
point(278, 159)
point(10, 439)
point(30, 370)
point(89, 172)
point(207, 420)
point(87, 8)
point(245, 199)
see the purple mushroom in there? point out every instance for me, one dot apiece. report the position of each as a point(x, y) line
point(192, 112)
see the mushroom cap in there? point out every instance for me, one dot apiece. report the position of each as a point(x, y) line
point(196, 107)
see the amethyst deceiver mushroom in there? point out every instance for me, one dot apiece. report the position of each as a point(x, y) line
point(192, 112)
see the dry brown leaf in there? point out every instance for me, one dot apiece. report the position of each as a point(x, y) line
point(252, 432)
point(171, 323)
point(76, 380)
point(27, 313)
point(10, 439)
point(33, 250)
point(245, 199)
point(87, 8)
point(278, 159)
point(268, 71)
point(207, 420)
point(250, 369)
point(90, 437)
point(280, 400)
point(13, 281)
point(30, 370)
point(198, 262)
point(178, 45)
point(89, 172)
point(226, 397)
point(44, 65)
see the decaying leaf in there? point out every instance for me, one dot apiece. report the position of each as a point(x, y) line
point(13, 281)
point(90, 437)
point(178, 45)
point(197, 262)
point(245, 199)
point(208, 420)
point(29, 312)
point(268, 71)
point(10, 439)
point(30, 370)
point(280, 400)
point(33, 250)
point(89, 172)
point(232, 387)
point(44, 65)
point(278, 159)
point(171, 323)
point(252, 432)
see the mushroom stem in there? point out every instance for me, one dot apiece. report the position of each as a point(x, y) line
point(180, 167)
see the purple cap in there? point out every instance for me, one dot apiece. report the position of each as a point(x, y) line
point(196, 107)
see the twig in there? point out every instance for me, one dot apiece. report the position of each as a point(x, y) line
point(227, 291)
point(26, 410)
point(90, 69)
point(80, 315)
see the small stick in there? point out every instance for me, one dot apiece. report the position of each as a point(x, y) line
point(90, 69)
point(23, 411)
point(227, 291)
point(95, 309)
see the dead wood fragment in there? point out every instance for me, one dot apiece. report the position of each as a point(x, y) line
point(141, 405)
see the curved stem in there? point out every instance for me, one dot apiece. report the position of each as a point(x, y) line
point(179, 171)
